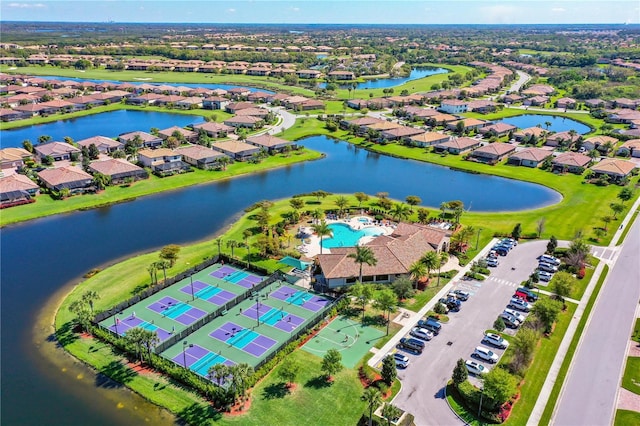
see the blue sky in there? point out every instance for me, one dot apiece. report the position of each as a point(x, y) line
point(327, 11)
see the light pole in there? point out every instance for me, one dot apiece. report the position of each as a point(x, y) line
point(193, 295)
point(116, 320)
point(258, 309)
point(185, 344)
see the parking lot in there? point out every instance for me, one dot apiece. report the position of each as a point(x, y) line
point(424, 380)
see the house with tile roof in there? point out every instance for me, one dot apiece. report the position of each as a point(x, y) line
point(271, 143)
point(530, 157)
point(118, 169)
point(187, 135)
point(493, 152)
point(247, 122)
point(238, 150)
point(12, 158)
point(146, 139)
point(457, 145)
point(602, 143)
point(200, 156)
point(614, 168)
point(630, 148)
point(395, 254)
point(523, 134)
point(17, 189)
point(104, 144)
point(570, 162)
point(162, 161)
point(213, 129)
point(70, 177)
point(499, 129)
point(427, 139)
point(59, 151)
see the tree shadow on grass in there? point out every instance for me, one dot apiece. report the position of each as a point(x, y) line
point(64, 335)
point(275, 391)
point(198, 414)
point(374, 320)
point(319, 382)
point(114, 375)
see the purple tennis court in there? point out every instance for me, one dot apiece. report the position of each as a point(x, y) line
point(199, 359)
point(274, 317)
point(215, 295)
point(300, 298)
point(122, 326)
point(236, 276)
point(172, 308)
point(243, 338)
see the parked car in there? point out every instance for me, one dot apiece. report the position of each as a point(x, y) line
point(502, 251)
point(549, 259)
point(547, 267)
point(519, 304)
point(485, 354)
point(520, 295)
point(400, 357)
point(451, 303)
point(516, 314)
point(531, 296)
point(511, 241)
point(474, 367)
point(431, 324)
point(509, 320)
point(545, 276)
point(462, 295)
point(444, 307)
point(410, 345)
point(492, 255)
point(421, 333)
point(495, 340)
point(492, 262)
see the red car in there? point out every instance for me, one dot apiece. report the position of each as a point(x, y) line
point(520, 295)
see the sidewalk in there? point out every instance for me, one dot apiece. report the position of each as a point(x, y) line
point(378, 356)
point(545, 392)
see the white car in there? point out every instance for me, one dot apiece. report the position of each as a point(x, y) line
point(401, 357)
point(547, 267)
point(476, 368)
point(495, 340)
point(485, 354)
point(545, 276)
point(421, 333)
point(509, 320)
point(549, 259)
point(519, 304)
point(516, 314)
point(493, 262)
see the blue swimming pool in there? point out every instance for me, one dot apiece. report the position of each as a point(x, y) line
point(346, 236)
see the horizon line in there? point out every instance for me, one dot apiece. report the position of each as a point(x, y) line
point(625, 24)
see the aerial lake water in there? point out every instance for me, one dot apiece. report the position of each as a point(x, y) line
point(110, 124)
point(384, 83)
point(40, 257)
point(558, 124)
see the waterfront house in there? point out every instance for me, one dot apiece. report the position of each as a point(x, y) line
point(59, 151)
point(200, 156)
point(308, 74)
point(147, 140)
point(453, 106)
point(186, 135)
point(237, 150)
point(104, 144)
point(530, 157)
point(234, 107)
point(457, 145)
point(493, 152)
point(566, 103)
point(614, 168)
point(522, 135)
point(12, 158)
point(215, 102)
point(427, 139)
point(119, 170)
point(213, 129)
point(570, 162)
point(468, 124)
point(400, 133)
point(271, 143)
point(162, 161)
point(72, 178)
point(601, 142)
point(16, 189)
point(247, 122)
point(630, 148)
point(341, 75)
point(498, 129)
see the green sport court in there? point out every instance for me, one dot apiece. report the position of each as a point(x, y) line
point(350, 338)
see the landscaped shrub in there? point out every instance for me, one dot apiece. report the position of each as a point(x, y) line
point(498, 324)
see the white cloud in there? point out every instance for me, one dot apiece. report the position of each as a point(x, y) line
point(231, 10)
point(295, 9)
point(558, 9)
point(26, 5)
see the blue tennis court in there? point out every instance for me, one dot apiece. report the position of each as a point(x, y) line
point(199, 359)
point(243, 338)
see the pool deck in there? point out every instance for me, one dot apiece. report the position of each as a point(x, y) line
point(312, 248)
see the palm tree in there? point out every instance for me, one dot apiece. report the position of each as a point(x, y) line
point(443, 257)
point(89, 297)
point(223, 161)
point(547, 124)
point(153, 272)
point(135, 336)
point(400, 211)
point(83, 316)
point(386, 301)
point(233, 244)
point(163, 264)
point(149, 340)
point(430, 261)
point(322, 230)
point(341, 202)
point(101, 181)
point(417, 271)
point(390, 412)
point(443, 208)
point(218, 372)
point(317, 215)
point(372, 398)
point(240, 375)
point(625, 194)
point(219, 242)
point(363, 255)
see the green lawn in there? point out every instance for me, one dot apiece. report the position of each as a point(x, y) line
point(578, 291)
point(564, 368)
point(631, 377)
point(423, 297)
point(636, 331)
point(46, 206)
point(537, 372)
point(628, 227)
point(626, 418)
point(454, 401)
point(270, 83)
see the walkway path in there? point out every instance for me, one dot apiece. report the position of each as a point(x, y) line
point(590, 398)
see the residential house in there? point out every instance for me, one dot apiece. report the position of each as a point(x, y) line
point(530, 157)
point(234, 107)
point(482, 106)
point(427, 139)
point(215, 102)
point(200, 156)
point(625, 103)
point(601, 142)
point(356, 103)
point(239, 92)
point(191, 102)
point(630, 148)
point(539, 89)
point(418, 113)
point(536, 100)
point(213, 129)
point(453, 106)
point(146, 140)
point(186, 135)
point(614, 168)
point(118, 169)
point(72, 178)
point(493, 152)
point(17, 189)
point(237, 150)
point(468, 124)
point(570, 162)
point(7, 114)
point(498, 129)
point(308, 74)
point(395, 254)
point(400, 133)
point(13, 158)
point(566, 103)
point(248, 122)
point(524, 134)
point(512, 98)
point(55, 106)
point(595, 103)
point(253, 112)
point(59, 151)
point(457, 145)
point(360, 123)
point(104, 144)
point(341, 75)
point(162, 161)
point(565, 139)
point(271, 143)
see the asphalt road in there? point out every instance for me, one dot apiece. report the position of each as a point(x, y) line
point(589, 395)
point(424, 380)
